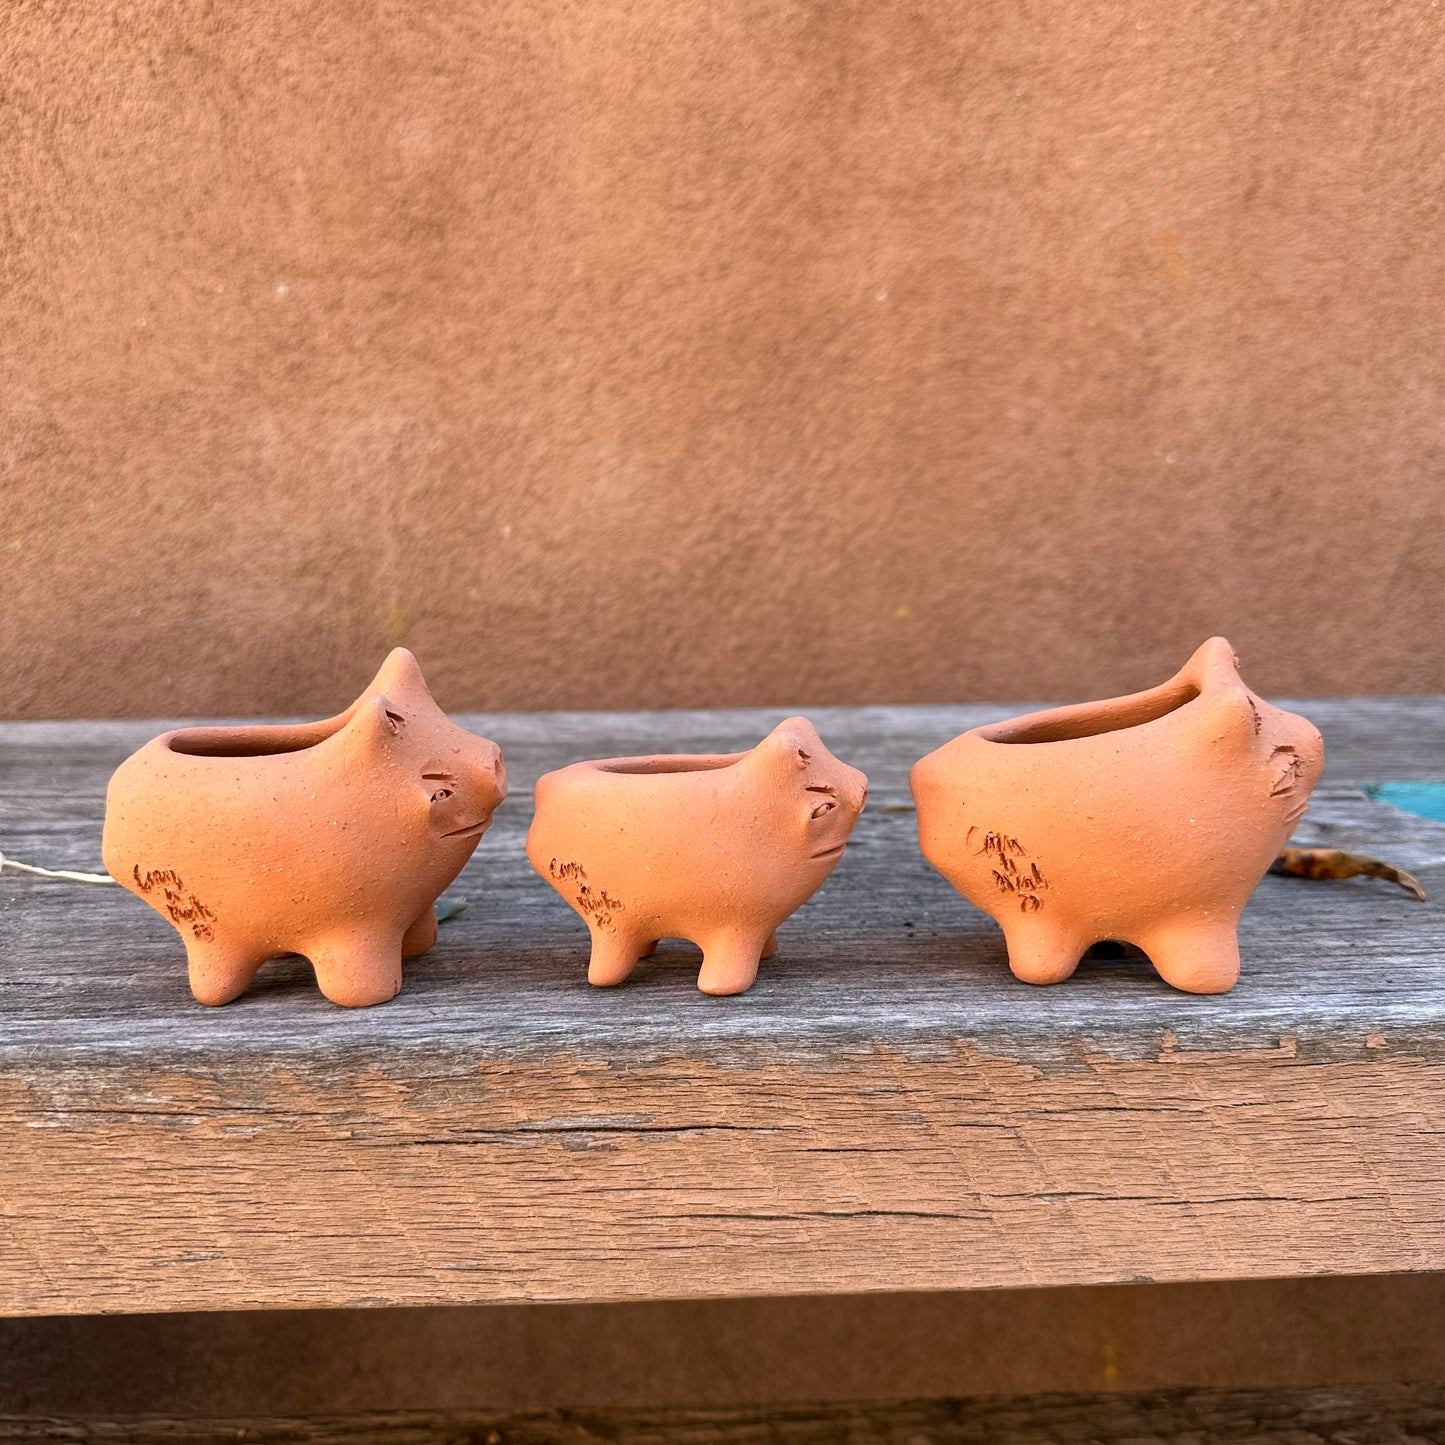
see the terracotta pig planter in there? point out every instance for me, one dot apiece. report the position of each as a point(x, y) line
point(330, 839)
point(717, 849)
point(1149, 819)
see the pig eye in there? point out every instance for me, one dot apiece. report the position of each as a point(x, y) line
point(829, 803)
point(394, 720)
point(440, 793)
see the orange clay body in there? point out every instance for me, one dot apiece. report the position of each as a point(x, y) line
point(330, 839)
point(1149, 819)
point(717, 849)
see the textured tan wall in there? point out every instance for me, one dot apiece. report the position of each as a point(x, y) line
point(636, 352)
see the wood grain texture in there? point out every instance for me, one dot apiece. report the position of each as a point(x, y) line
point(887, 1109)
point(1400, 1415)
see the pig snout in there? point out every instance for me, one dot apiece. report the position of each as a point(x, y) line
point(487, 773)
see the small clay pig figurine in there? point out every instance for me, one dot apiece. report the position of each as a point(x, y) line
point(718, 849)
point(330, 839)
point(1149, 819)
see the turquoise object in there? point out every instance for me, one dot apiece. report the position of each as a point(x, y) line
point(1427, 800)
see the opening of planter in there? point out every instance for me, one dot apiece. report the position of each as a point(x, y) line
point(699, 764)
point(1110, 717)
point(241, 742)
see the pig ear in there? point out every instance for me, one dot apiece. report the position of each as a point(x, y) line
point(1212, 662)
point(795, 741)
point(400, 677)
point(376, 723)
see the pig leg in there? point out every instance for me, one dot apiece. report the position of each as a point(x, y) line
point(219, 974)
point(729, 962)
point(421, 935)
point(1195, 957)
point(770, 948)
point(358, 969)
point(1041, 953)
point(614, 956)
point(650, 949)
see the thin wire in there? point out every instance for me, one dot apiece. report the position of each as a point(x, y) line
point(65, 873)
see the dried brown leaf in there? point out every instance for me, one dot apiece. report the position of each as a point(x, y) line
point(1336, 863)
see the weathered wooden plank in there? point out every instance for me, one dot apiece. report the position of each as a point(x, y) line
point(561, 1178)
point(886, 1109)
point(1389, 1415)
point(886, 952)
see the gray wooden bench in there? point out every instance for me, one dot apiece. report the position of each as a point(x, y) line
point(886, 1110)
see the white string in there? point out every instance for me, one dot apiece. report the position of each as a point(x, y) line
point(65, 873)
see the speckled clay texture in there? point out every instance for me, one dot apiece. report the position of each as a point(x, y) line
point(718, 849)
point(329, 839)
point(1149, 818)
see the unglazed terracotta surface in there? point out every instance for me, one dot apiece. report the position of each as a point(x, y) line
point(329, 839)
point(715, 848)
point(1149, 819)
